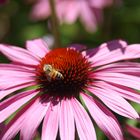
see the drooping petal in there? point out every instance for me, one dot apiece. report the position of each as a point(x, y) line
point(13, 66)
point(123, 67)
point(119, 78)
point(63, 8)
point(9, 106)
point(83, 122)
point(41, 10)
point(88, 17)
point(124, 53)
point(115, 102)
point(100, 3)
point(12, 75)
point(132, 52)
point(5, 83)
point(113, 49)
point(38, 47)
point(16, 73)
point(19, 55)
point(133, 131)
point(13, 127)
point(122, 91)
point(33, 118)
point(67, 128)
point(50, 123)
point(104, 118)
point(4, 93)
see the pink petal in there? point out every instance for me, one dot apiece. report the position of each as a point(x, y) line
point(84, 124)
point(107, 52)
point(19, 55)
point(67, 128)
point(100, 3)
point(132, 51)
point(50, 124)
point(38, 47)
point(123, 67)
point(129, 52)
point(13, 127)
point(9, 106)
point(133, 131)
point(12, 66)
point(105, 48)
point(119, 78)
point(15, 73)
point(41, 10)
point(104, 118)
point(63, 9)
point(5, 83)
point(88, 17)
point(32, 119)
point(122, 91)
point(115, 102)
point(120, 67)
point(4, 93)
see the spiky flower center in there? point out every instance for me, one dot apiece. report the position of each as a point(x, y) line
point(63, 72)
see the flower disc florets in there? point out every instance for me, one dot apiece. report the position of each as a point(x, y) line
point(63, 72)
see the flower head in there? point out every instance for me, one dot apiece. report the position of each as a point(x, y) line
point(68, 11)
point(63, 82)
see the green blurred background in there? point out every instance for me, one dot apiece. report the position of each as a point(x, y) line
point(120, 22)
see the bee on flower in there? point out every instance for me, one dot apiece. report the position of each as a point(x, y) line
point(52, 73)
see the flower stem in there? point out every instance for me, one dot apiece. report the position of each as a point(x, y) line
point(55, 25)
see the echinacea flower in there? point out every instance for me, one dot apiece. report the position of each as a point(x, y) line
point(68, 11)
point(135, 132)
point(69, 84)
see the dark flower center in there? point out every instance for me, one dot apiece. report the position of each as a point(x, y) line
point(63, 72)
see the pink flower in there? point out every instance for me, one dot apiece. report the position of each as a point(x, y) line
point(135, 132)
point(88, 11)
point(65, 81)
